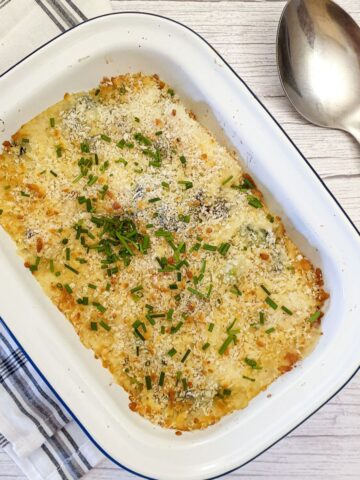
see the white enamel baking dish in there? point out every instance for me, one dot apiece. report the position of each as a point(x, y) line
point(131, 42)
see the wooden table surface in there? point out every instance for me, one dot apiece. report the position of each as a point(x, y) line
point(327, 446)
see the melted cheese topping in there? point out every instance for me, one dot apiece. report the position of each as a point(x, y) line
point(150, 238)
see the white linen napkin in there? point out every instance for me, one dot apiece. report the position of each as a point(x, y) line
point(35, 429)
point(27, 24)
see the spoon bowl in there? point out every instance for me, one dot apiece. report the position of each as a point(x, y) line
point(318, 54)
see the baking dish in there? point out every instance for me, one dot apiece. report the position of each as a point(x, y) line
point(131, 42)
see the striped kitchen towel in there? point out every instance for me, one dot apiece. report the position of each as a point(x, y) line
point(35, 430)
point(27, 24)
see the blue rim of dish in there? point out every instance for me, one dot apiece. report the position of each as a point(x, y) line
point(107, 455)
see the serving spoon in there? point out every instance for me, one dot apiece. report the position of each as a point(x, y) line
point(318, 55)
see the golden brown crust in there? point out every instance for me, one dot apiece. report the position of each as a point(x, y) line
point(129, 150)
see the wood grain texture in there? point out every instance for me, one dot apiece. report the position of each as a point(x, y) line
point(327, 446)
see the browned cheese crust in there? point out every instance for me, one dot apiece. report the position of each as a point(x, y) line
point(159, 249)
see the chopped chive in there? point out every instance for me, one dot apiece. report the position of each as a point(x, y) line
point(265, 290)
point(315, 316)
point(183, 159)
point(153, 200)
point(24, 194)
point(173, 286)
point(106, 138)
point(234, 289)
point(150, 319)
point(187, 184)
point(248, 378)
point(226, 343)
point(122, 160)
point(52, 122)
point(51, 263)
point(59, 151)
point(92, 179)
point(81, 260)
point(226, 392)
point(137, 324)
point(227, 180)
point(137, 289)
point(286, 310)
point(184, 218)
point(185, 384)
point(91, 285)
point(254, 201)
point(100, 307)
point(68, 288)
point(270, 330)
point(138, 334)
point(209, 290)
point(108, 286)
point(178, 276)
point(140, 138)
point(196, 292)
point(171, 92)
point(103, 191)
point(211, 327)
point(67, 253)
point(104, 166)
point(195, 248)
point(271, 303)
point(162, 329)
point(165, 185)
point(177, 328)
point(224, 248)
point(155, 163)
point(171, 352)
point(84, 147)
point(210, 248)
point(252, 363)
point(137, 350)
point(148, 382)
point(206, 346)
point(161, 379)
point(177, 297)
point(137, 119)
point(270, 218)
point(158, 133)
point(169, 314)
point(261, 318)
point(69, 267)
point(93, 326)
point(83, 301)
point(105, 325)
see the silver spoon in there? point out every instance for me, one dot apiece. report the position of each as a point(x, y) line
point(318, 54)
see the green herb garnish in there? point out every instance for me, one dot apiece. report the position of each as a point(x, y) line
point(252, 363)
point(286, 310)
point(271, 303)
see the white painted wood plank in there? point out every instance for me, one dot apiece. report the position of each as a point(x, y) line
point(327, 446)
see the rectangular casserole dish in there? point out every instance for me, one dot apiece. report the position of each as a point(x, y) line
point(132, 42)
